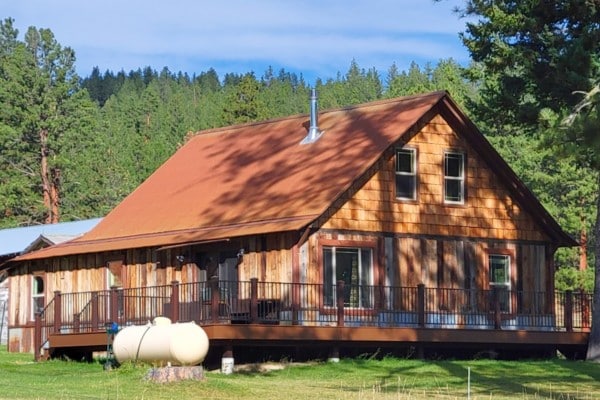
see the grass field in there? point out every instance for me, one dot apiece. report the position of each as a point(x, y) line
point(362, 378)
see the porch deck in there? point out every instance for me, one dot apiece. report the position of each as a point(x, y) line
point(283, 314)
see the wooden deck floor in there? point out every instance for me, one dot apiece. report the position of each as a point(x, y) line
point(571, 344)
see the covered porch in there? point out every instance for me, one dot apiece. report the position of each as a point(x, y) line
point(269, 314)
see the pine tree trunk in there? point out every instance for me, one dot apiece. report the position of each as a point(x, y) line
point(45, 175)
point(593, 351)
point(583, 243)
point(54, 195)
point(583, 250)
point(50, 182)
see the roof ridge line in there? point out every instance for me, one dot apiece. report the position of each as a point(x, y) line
point(230, 128)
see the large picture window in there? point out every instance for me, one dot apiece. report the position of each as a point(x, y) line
point(406, 174)
point(353, 266)
point(454, 178)
point(499, 265)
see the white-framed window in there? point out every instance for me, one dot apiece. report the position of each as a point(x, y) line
point(37, 295)
point(406, 174)
point(454, 177)
point(499, 266)
point(354, 266)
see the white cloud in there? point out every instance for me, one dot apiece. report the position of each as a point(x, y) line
point(314, 36)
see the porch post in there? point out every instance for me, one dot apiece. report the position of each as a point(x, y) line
point(295, 283)
point(340, 303)
point(37, 336)
point(174, 301)
point(568, 310)
point(421, 305)
point(215, 299)
point(114, 304)
point(295, 303)
point(76, 323)
point(496, 302)
point(57, 311)
point(95, 311)
point(253, 300)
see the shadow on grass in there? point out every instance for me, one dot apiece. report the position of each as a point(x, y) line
point(592, 370)
point(542, 379)
point(519, 379)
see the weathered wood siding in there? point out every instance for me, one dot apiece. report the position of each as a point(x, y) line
point(69, 274)
point(268, 258)
point(3, 312)
point(489, 211)
point(441, 245)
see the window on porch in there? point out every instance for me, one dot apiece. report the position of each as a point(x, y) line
point(37, 295)
point(353, 266)
point(499, 265)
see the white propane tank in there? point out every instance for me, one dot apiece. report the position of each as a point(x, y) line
point(162, 342)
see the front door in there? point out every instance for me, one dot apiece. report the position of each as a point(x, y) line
point(222, 265)
point(228, 276)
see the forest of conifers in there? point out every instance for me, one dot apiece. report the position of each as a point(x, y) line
point(72, 147)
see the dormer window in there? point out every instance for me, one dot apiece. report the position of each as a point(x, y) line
point(406, 174)
point(454, 177)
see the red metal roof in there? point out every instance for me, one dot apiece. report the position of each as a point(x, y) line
point(260, 172)
point(254, 178)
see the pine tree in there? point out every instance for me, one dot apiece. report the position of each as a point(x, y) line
point(243, 102)
point(534, 57)
point(39, 92)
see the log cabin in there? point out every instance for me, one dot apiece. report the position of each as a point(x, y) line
point(373, 224)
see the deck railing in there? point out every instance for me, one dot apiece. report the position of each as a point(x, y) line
point(44, 325)
point(254, 302)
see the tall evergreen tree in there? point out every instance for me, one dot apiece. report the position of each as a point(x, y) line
point(409, 82)
point(39, 92)
point(535, 56)
point(243, 102)
point(209, 81)
point(583, 125)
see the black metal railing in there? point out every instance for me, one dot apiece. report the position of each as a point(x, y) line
point(254, 302)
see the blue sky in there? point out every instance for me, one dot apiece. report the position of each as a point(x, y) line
point(311, 37)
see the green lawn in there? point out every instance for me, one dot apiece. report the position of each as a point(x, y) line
point(390, 378)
